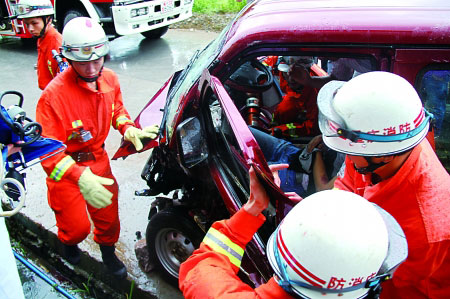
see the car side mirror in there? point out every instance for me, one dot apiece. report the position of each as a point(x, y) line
point(191, 142)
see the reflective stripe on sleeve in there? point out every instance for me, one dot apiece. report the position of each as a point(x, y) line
point(112, 114)
point(61, 168)
point(50, 68)
point(71, 136)
point(223, 245)
point(122, 120)
point(77, 123)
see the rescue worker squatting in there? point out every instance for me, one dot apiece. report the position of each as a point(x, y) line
point(317, 224)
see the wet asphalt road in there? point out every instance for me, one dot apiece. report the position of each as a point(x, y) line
point(142, 66)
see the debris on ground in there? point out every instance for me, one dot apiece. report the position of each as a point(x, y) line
point(208, 22)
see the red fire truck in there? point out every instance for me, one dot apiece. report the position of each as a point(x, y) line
point(151, 18)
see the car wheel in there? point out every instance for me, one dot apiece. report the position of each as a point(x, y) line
point(171, 238)
point(72, 14)
point(155, 33)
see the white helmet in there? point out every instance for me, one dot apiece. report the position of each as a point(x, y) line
point(34, 8)
point(84, 40)
point(287, 61)
point(335, 244)
point(373, 114)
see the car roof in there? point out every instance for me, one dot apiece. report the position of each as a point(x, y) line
point(383, 22)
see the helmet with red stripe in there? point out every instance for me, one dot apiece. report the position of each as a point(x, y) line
point(84, 40)
point(373, 114)
point(335, 244)
point(33, 8)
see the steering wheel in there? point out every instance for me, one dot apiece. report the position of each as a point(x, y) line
point(252, 76)
point(18, 122)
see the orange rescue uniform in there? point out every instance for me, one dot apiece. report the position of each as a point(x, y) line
point(47, 66)
point(297, 114)
point(417, 196)
point(81, 117)
point(210, 272)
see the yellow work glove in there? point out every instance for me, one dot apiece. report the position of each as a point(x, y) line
point(135, 135)
point(91, 187)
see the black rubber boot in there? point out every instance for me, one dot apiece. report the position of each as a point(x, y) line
point(72, 254)
point(114, 265)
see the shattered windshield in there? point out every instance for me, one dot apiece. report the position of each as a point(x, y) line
point(192, 73)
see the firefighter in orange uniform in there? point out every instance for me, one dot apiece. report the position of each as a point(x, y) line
point(37, 16)
point(296, 115)
point(312, 252)
point(78, 107)
point(378, 120)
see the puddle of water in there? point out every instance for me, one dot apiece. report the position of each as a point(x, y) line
point(34, 286)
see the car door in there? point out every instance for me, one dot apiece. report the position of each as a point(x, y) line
point(232, 151)
point(151, 114)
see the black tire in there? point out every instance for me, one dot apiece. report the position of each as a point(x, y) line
point(171, 238)
point(72, 14)
point(155, 33)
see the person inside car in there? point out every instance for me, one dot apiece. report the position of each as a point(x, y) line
point(377, 119)
point(38, 16)
point(316, 159)
point(342, 68)
point(333, 243)
point(78, 108)
point(312, 168)
point(296, 115)
point(323, 163)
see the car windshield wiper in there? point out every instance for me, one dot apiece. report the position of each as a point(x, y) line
point(182, 76)
point(188, 67)
point(177, 85)
point(194, 58)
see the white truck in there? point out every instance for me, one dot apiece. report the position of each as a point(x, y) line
point(151, 18)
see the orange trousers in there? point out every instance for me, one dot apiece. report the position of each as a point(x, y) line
point(71, 209)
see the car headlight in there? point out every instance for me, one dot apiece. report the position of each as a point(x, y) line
point(139, 12)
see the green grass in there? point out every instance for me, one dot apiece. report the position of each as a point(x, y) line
point(218, 6)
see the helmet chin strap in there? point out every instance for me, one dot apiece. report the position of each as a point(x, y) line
point(41, 34)
point(89, 80)
point(369, 168)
